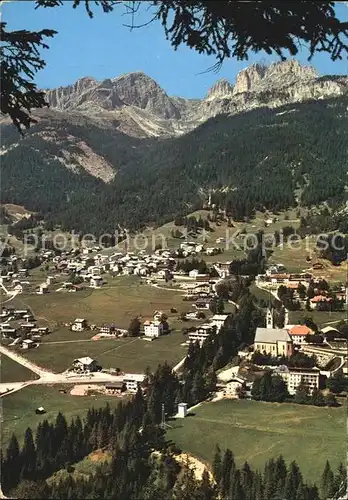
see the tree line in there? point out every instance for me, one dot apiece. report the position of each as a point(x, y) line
point(158, 179)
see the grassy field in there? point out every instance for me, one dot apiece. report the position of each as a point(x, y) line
point(321, 318)
point(18, 409)
point(129, 354)
point(258, 431)
point(163, 235)
point(117, 302)
point(14, 372)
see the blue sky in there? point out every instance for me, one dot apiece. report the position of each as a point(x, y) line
point(103, 48)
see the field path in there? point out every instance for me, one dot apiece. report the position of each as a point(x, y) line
point(47, 377)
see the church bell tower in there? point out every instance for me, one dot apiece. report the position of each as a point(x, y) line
point(269, 318)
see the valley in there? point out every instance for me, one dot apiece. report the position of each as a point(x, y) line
point(147, 264)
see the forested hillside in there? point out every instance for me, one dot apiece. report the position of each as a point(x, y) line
point(261, 159)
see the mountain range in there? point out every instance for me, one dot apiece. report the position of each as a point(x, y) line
point(138, 106)
point(123, 152)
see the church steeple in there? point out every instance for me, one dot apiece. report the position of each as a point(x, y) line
point(269, 318)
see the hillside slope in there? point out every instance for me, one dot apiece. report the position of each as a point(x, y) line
point(265, 158)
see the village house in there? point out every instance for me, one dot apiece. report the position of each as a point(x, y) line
point(96, 282)
point(202, 303)
point(28, 317)
point(220, 320)
point(38, 332)
point(295, 376)
point(153, 329)
point(26, 327)
point(234, 385)
point(20, 313)
point(158, 315)
point(5, 313)
point(298, 333)
point(79, 325)
point(133, 381)
point(212, 251)
point(85, 364)
point(223, 269)
point(7, 332)
point(94, 271)
point(43, 288)
point(107, 329)
point(115, 387)
point(28, 344)
point(198, 289)
point(319, 300)
point(200, 334)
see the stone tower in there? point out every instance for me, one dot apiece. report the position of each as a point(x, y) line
point(269, 318)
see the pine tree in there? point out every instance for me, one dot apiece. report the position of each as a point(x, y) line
point(37, 490)
point(330, 400)
point(11, 466)
point(327, 485)
point(236, 489)
point(341, 478)
point(217, 465)
point(186, 486)
point(228, 465)
point(302, 395)
point(293, 482)
point(247, 480)
point(317, 398)
point(269, 479)
point(28, 456)
point(206, 490)
point(198, 387)
point(280, 472)
point(220, 306)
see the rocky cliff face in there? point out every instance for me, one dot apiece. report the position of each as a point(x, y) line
point(248, 79)
point(138, 106)
point(132, 89)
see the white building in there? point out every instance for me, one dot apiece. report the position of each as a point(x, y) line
point(233, 385)
point(298, 333)
point(201, 333)
point(79, 325)
point(219, 320)
point(43, 288)
point(295, 376)
point(96, 282)
point(133, 381)
point(153, 329)
point(28, 344)
point(85, 364)
point(182, 410)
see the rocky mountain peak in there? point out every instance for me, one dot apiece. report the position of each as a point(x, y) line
point(62, 97)
point(249, 78)
point(220, 89)
point(138, 89)
point(291, 66)
point(141, 108)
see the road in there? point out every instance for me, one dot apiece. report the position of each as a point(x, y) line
point(47, 377)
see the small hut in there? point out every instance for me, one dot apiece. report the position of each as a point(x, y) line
point(40, 411)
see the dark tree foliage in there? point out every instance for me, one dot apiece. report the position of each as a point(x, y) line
point(277, 481)
point(20, 60)
point(157, 178)
point(269, 388)
point(131, 432)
